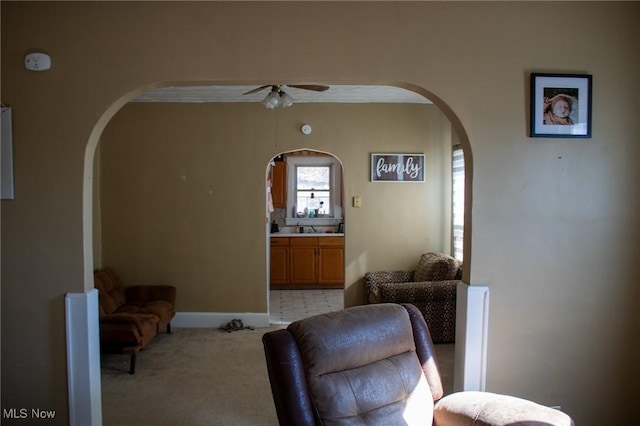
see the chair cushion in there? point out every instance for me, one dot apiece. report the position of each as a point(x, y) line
point(162, 309)
point(436, 267)
point(127, 331)
point(363, 369)
point(111, 291)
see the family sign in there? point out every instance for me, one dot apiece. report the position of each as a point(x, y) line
point(397, 167)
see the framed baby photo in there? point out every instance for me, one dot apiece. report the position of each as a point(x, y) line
point(560, 105)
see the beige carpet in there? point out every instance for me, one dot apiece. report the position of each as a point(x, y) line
point(200, 377)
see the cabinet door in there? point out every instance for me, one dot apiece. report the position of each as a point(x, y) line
point(279, 184)
point(279, 270)
point(303, 266)
point(331, 265)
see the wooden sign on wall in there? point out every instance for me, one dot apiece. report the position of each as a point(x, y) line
point(397, 167)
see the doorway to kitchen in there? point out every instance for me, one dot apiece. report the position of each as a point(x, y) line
point(306, 235)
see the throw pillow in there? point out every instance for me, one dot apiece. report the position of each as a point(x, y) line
point(436, 267)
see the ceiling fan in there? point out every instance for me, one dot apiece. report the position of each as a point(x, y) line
point(279, 98)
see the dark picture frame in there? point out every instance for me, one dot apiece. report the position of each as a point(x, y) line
point(561, 105)
point(392, 167)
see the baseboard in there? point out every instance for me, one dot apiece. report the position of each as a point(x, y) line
point(217, 319)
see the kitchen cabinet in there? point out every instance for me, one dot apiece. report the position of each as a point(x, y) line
point(331, 262)
point(279, 263)
point(314, 262)
point(303, 260)
point(279, 184)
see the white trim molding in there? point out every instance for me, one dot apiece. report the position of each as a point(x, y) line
point(472, 319)
point(83, 358)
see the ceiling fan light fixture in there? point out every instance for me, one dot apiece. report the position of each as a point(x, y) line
point(279, 98)
point(285, 99)
point(272, 100)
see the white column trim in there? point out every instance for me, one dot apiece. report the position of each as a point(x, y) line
point(472, 319)
point(83, 359)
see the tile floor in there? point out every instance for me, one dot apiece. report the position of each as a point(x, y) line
point(290, 305)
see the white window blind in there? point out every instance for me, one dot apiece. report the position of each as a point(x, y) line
point(458, 200)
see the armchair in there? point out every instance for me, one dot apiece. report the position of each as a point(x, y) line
point(431, 287)
point(131, 317)
point(376, 365)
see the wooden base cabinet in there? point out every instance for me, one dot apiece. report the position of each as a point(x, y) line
point(314, 262)
point(330, 265)
point(303, 261)
point(279, 263)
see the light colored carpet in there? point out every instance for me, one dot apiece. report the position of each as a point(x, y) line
point(198, 376)
point(190, 377)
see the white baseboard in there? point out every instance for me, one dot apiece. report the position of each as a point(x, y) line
point(218, 319)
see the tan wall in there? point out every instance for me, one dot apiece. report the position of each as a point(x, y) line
point(555, 227)
point(183, 192)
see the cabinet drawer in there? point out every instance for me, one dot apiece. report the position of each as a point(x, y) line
point(280, 242)
point(331, 241)
point(304, 241)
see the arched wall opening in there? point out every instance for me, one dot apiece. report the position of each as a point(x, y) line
point(320, 290)
point(111, 112)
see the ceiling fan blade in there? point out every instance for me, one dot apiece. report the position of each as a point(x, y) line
point(257, 89)
point(314, 87)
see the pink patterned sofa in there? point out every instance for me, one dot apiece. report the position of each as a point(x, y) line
point(431, 287)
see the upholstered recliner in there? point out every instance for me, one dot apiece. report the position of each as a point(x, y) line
point(431, 287)
point(376, 365)
point(130, 317)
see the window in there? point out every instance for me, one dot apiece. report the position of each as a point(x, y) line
point(458, 200)
point(314, 190)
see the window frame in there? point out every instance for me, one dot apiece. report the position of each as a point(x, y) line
point(335, 185)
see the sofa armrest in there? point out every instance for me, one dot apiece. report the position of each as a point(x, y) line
point(136, 321)
point(420, 291)
point(374, 279)
point(150, 293)
point(492, 409)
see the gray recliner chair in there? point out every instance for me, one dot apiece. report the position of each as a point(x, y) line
point(376, 365)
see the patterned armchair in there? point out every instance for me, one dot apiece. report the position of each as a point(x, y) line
point(431, 287)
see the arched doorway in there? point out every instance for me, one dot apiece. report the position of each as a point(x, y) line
point(305, 204)
point(88, 184)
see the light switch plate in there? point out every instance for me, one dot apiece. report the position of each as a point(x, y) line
point(357, 201)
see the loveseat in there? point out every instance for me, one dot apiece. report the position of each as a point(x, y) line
point(431, 287)
point(130, 317)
